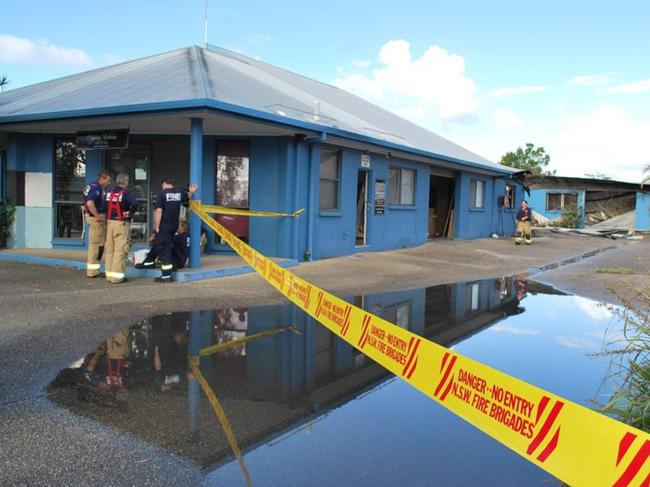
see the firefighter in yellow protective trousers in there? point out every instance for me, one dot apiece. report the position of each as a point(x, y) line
point(95, 215)
point(524, 225)
point(120, 208)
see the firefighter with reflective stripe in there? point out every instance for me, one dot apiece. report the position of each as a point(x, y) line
point(166, 218)
point(95, 215)
point(524, 223)
point(121, 206)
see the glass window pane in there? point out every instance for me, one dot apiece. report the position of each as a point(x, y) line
point(510, 196)
point(403, 315)
point(478, 193)
point(407, 187)
point(474, 299)
point(232, 181)
point(134, 161)
point(553, 202)
point(329, 179)
point(570, 201)
point(393, 186)
point(329, 195)
point(329, 164)
point(69, 182)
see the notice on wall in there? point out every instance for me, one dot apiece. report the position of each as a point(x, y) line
point(141, 170)
point(365, 160)
point(380, 196)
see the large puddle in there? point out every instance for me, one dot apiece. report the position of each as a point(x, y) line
point(308, 409)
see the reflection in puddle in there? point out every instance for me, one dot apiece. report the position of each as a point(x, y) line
point(276, 373)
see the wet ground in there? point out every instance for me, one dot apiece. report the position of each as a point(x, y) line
point(51, 317)
point(308, 409)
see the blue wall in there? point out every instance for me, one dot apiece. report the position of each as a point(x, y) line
point(284, 176)
point(642, 211)
point(537, 202)
point(399, 226)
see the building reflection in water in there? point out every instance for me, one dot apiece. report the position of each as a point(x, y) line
point(138, 380)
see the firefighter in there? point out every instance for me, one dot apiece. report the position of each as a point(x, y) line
point(120, 208)
point(180, 249)
point(95, 214)
point(524, 225)
point(166, 219)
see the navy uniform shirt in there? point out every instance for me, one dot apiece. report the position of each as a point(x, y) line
point(524, 213)
point(170, 201)
point(94, 192)
point(127, 202)
point(181, 248)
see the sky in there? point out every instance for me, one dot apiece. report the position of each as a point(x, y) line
point(570, 76)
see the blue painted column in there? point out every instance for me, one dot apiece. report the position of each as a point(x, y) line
point(209, 189)
point(193, 386)
point(196, 172)
point(312, 204)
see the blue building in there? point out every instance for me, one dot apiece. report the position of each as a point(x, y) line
point(253, 136)
point(595, 200)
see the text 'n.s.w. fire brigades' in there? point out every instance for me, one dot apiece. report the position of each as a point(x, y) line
point(576, 444)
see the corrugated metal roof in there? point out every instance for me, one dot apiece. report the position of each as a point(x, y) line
point(195, 73)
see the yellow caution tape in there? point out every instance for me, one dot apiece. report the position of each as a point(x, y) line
point(576, 444)
point(239, 341)
point(223, 210)
point(221, 415)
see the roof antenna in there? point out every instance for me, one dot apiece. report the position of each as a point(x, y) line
point(205, 26)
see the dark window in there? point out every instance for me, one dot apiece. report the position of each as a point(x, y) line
point(69, 183)
point(561, 201)
point(399, 314)
point(477, 193)
point(134, 161)
point(401, 186)
point(330, 162)
point(510, 196)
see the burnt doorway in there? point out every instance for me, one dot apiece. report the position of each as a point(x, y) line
point(441, 206)
point(362, 209)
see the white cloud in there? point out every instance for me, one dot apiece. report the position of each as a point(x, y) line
point(594, 309)
point(605, 141)
point(500, 327)
point(592, 79)
point(633, 88)
point(507, 118)
point(21, 50)
point(581, 343)
point(520, 90)
point(361, 64)
point(436, 82)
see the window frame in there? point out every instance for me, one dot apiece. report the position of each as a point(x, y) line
point(563, 203)
point(339, 159)
point(511, 196)
point(400, 170)
point(72, 240)
point(473, 186)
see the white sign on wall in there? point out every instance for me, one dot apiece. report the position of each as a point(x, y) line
point(365, 160)
point(38, 189)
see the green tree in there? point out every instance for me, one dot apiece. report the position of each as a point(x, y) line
point(3, 82)
point(530, 158)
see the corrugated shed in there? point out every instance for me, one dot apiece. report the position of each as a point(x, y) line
point(195, 73)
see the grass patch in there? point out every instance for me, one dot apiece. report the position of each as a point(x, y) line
point(621, 270)
point(630, 401)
